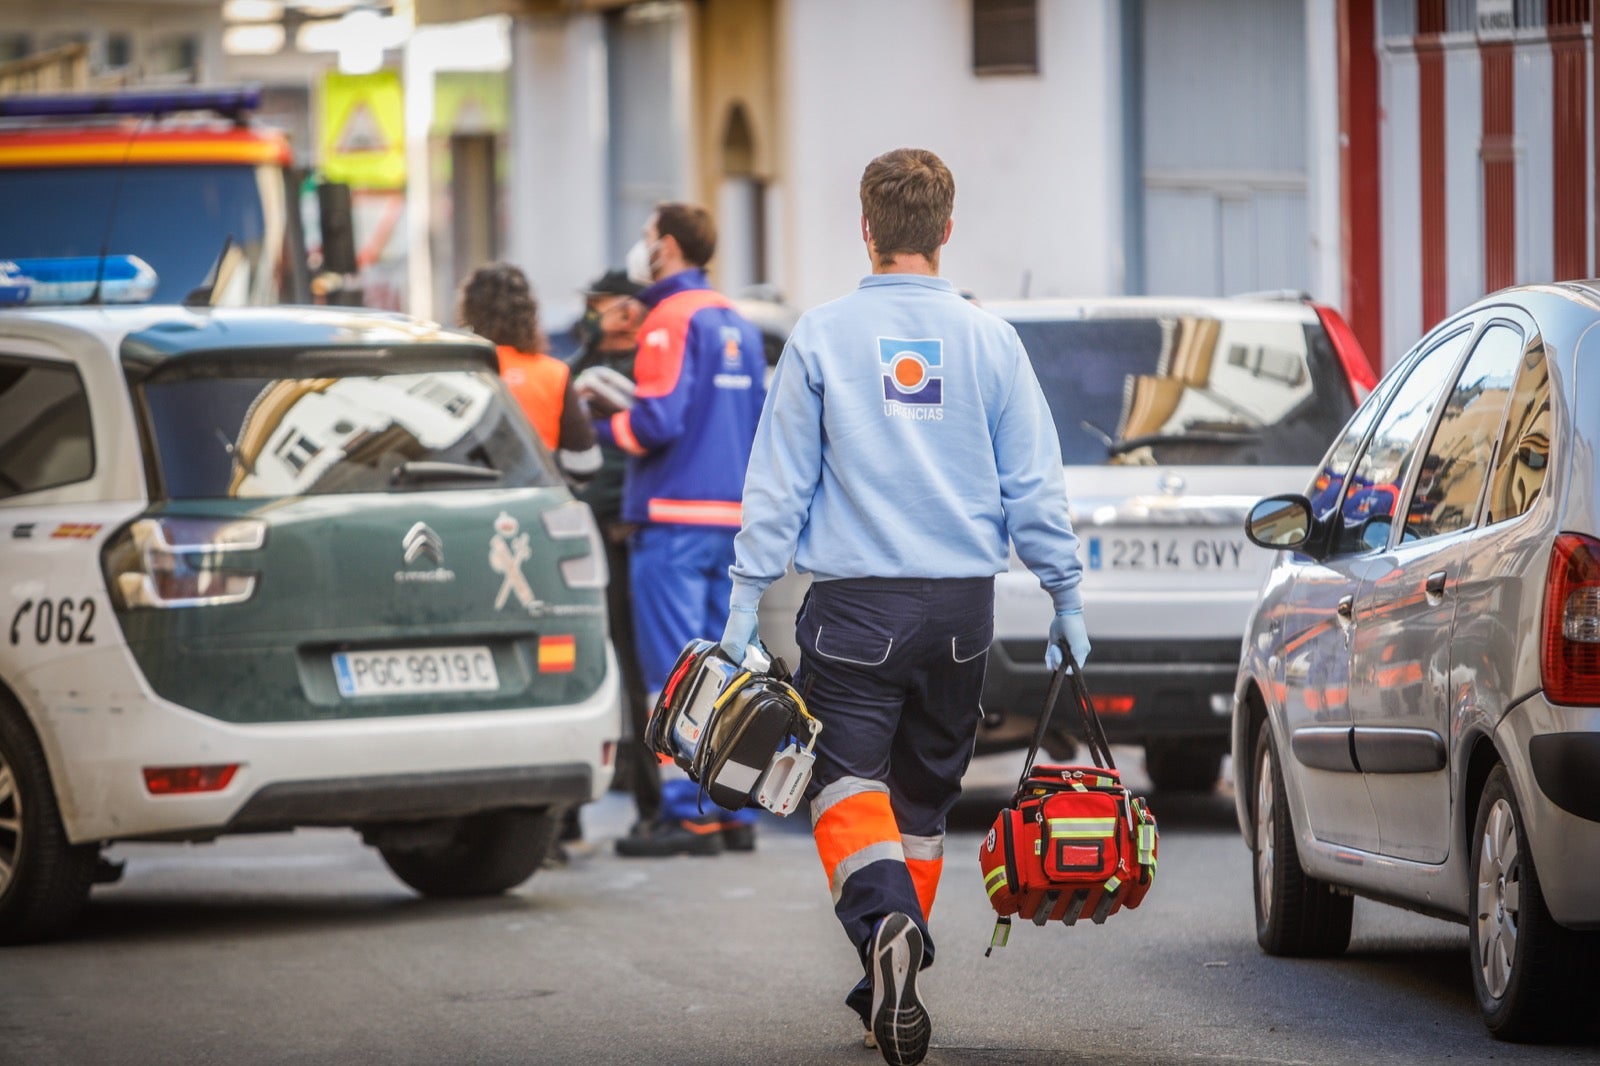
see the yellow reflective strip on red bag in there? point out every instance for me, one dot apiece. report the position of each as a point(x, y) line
point(1147, 845)
point(1082, 828)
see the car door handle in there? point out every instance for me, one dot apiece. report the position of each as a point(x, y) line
point(1346, 610)
point(1434, 586)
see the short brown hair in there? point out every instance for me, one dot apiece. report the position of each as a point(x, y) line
point(497, 302)
point(691, 226)
point(907, 196)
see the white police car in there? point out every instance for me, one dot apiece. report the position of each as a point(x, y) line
point(265, 568)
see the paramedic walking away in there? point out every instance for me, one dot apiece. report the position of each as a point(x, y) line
point(904, 441)
point(496, 302)
point(699, 386)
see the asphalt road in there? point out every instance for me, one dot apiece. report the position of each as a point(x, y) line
point(301, 948)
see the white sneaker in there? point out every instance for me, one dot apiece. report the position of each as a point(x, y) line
point(869, 1041)
point(899, 1020)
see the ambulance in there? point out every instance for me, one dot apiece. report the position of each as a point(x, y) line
point(263, 568)
point(185, 178)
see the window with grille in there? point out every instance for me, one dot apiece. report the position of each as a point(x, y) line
point(1005, 36)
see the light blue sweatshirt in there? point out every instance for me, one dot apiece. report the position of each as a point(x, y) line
point(904, 435)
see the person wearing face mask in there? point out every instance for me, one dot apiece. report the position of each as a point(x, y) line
point(609, 331)
point(700, 384)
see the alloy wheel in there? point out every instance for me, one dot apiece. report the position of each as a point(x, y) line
point(1498, 898)
point(10, 824)
point(1265, 854)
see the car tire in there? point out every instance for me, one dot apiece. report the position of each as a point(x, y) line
point(1183, 766)
point(44, 878)
point(486, 855)
point(1296, 915)
point(1528, 972)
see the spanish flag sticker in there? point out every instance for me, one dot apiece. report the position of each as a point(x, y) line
point(75, 531)
point(557, 655)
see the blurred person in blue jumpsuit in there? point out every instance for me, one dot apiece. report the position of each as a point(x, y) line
point(699, 388)
point(905, 441)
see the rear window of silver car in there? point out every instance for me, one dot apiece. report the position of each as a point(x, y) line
point(262, 438)
point(1188, 389)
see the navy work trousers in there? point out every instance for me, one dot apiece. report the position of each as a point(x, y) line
point(893, 667)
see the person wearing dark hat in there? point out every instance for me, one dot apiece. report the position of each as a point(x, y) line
point(603, 377)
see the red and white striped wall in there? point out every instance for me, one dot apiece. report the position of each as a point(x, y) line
point(1479, 120)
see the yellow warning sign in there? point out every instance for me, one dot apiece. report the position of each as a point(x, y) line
point(363, 130)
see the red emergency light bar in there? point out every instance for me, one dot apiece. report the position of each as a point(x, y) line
point(222, 101)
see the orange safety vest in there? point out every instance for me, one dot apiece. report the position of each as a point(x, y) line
point(539, 382)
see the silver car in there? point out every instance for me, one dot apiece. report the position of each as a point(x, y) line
point(1175, 414)
point(1417, 713)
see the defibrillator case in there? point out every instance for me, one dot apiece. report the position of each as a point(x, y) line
point(741, 731)
point(745, 735)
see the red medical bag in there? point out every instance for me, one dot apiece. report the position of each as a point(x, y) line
point(1074, 842)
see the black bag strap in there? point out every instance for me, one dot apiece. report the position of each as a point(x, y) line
point(1094, 733)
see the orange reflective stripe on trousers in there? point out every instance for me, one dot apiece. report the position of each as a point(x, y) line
point(854, 826)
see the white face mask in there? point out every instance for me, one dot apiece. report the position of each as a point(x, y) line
point(637, 262)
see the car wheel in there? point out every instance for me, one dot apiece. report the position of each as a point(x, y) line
point(1295, 914)
point(1526, 969)
point(44, 879)
point(485, 855)
point(1175, 766)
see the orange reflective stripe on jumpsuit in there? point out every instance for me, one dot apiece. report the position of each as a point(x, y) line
point(925, 862)
point(854, 827)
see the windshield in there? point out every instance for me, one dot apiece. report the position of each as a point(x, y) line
point(262, 438)
point(1188, 389)
point(173, 217)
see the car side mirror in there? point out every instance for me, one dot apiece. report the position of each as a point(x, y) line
point(1279, 522)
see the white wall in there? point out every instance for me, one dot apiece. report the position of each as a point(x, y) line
point(556, 184)
point(1037, 159)
point(1400, 132)
point(1322, 151)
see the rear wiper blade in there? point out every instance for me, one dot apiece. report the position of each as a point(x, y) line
point(1203, 436)
point(418, 470)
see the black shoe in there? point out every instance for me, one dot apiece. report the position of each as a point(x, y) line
point(571, 827)
point(739, 836)
point(899, 1020)
point(688, 836)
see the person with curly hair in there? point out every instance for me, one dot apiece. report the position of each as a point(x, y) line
point(497, 303)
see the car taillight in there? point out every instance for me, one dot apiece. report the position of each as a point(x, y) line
point(1352, 357)
point(1569, 646)
point(572, 521)
point(180, 780)
point(182, 562)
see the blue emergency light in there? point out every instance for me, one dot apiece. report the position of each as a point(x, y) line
point(143, 102)
point(114, 279)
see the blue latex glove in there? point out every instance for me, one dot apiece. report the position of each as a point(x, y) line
point(1067, 626)
point(739, 633)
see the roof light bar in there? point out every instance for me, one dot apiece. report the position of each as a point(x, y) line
point(166, 101)
point(119, 279)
